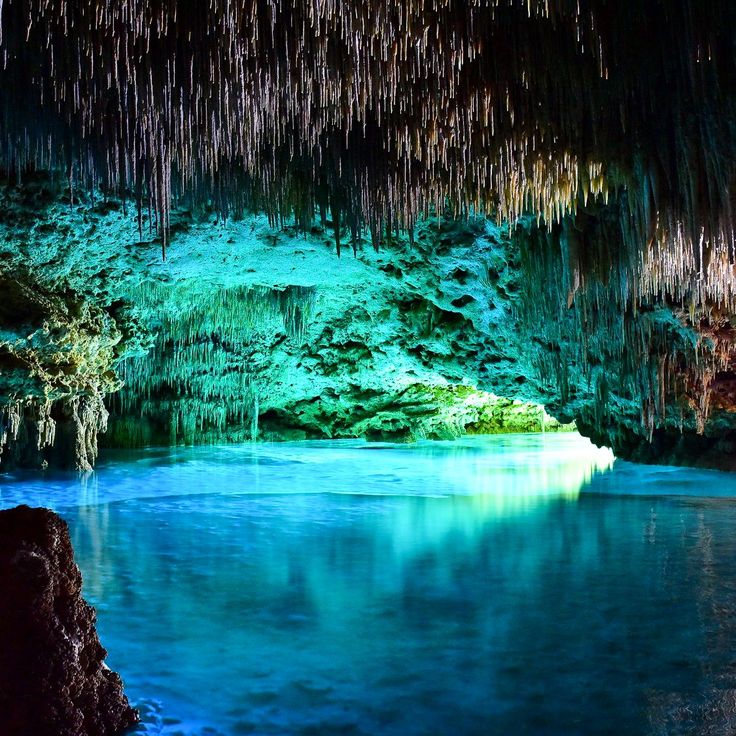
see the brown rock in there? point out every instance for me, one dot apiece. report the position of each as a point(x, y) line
point(53, 680)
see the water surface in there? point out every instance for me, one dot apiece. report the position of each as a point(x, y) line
point(507, 585)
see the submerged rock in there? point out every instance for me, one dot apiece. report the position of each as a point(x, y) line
point(53, 680)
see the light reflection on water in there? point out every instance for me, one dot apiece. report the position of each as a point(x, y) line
point(490, 586)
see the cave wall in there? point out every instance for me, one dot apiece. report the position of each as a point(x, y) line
point(391, 345)
point(248, 330)
point(602, 133)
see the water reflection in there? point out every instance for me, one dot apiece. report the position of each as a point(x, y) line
point(494, 586)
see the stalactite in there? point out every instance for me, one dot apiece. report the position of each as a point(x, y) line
point(382, 112)
point(195, 372)
point(57, 358)
point(657, 325)
point(10, 419)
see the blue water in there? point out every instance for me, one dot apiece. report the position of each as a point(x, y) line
point(509, 585)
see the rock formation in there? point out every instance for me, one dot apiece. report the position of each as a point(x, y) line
point(648, 374)
point(53, 680)
point(56, 363)
point(253, 331)
point(247, 330)
point(598, 138)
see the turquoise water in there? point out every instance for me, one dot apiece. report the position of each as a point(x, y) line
point(507, 585)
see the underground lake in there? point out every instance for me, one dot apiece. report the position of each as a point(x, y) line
point(526, 584)
point(368, 367)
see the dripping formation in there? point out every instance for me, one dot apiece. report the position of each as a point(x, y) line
point(57, 353)
point(599, 135)
point(657, 363)
point(376, 113)
point(218, 332)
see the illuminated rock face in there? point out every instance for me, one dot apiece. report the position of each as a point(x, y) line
point(249, 331)
point(57, 352)
point(387, 346)
point(53, 680)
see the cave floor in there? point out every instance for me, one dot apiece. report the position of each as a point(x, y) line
point(493, 585)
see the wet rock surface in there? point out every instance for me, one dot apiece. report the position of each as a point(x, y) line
point(53, 680)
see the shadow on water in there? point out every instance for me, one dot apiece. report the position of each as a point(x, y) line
point(523, 585)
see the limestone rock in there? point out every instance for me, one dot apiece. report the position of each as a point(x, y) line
point(57, 351)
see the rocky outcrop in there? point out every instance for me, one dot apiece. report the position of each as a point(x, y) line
point(57, 351)
point(53, 680)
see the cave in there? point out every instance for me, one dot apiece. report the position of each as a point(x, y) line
point(367, 367)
